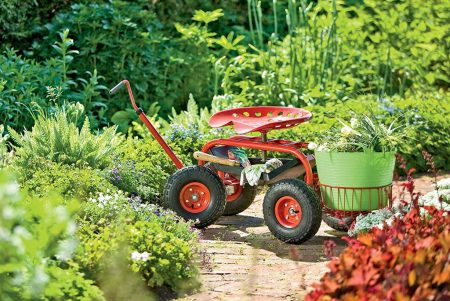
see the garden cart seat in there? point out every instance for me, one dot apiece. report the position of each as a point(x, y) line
point(260, 119)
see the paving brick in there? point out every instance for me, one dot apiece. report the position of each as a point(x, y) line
point(249, 264)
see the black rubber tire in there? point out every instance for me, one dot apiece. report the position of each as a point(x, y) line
point(196, 174)
point(339, 224)
point(244, 200)
point(309, 203)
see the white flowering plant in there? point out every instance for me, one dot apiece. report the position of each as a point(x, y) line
point(438, 198)
point(361, 133)
point(158, 244)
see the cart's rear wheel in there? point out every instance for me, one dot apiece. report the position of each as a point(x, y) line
point(195, 193)
point(292, 211)
point(339, 224)
point(242, 197)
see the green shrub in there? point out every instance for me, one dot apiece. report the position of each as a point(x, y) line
point(335, 51)
point(25, 84)
point(37, 239)
point(428, 114)
point(5, 155)
point(58, 139)
point(160, 257)
point(70, 284)
point(68, 180)
point(126, 40)
point(143, 168)
point(425, 115)
point(111, 221)
point(22, 89)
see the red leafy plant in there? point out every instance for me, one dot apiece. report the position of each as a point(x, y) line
point(409, 260)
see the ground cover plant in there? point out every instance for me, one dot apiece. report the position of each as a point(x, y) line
point(408, 259)
point(395, 253)
point(61, 159)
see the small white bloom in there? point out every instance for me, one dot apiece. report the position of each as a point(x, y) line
point(135, 256)
point(322, 148)
point(312, 146)
point(354, 122)
point(443, 184)
point(9, 189)
point(145, 256)
point(346, 131)
point(264, 74)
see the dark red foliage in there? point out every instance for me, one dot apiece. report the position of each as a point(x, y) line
point(410, 260)
point(328, 248)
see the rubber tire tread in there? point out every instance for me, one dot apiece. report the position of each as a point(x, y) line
point(196, 174)
point(336, 223)
point(244, 201)
point(311, 211)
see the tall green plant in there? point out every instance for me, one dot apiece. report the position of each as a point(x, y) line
point(334, 51)
point(58, 139)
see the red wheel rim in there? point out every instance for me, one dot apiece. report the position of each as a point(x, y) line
point(195, 197)
point(228, 180)
point(236, 194)
point(288, 212)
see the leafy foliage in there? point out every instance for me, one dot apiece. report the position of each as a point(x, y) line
point(5, 155)
point(133, 46)
point(364, 133)
point(406, 260)
point(58, 139)
point(111, 221)
point(68, 180)
point(334, 51)
point(35, 246)
point(26, 83)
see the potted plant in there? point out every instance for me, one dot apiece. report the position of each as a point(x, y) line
point(355, 164)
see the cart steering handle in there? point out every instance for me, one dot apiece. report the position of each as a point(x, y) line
point(130, 94)
point(147, 123)
point(116, 88)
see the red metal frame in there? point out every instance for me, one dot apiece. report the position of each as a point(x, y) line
point(274, 145)
point(261, 119)
point(149, 125)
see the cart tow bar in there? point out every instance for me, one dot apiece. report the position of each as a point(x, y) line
point(148, 124)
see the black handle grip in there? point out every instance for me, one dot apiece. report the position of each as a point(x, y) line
point(117, 87)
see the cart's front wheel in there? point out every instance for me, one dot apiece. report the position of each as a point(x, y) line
point(195, 193)
point(292, 211)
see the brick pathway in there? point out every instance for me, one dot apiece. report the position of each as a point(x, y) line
point(246, 263)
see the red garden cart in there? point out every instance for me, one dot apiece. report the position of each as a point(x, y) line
point(292, 209)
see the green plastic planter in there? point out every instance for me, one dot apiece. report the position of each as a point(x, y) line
point(355, 181)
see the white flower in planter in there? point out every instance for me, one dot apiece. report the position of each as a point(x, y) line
point(312, 146)
point(346, 131)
